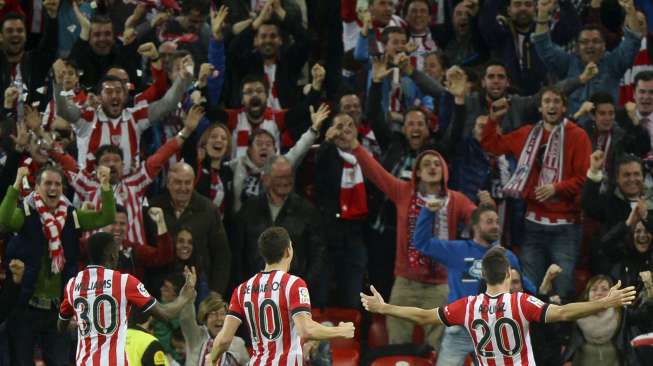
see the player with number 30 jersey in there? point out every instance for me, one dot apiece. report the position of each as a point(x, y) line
point(101, 299)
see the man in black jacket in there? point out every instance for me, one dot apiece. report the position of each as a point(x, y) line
point(280, 206)
point(281, 65)
point(612, 207)
point(31, 66)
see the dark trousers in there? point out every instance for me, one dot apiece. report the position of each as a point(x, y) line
point(31, 327)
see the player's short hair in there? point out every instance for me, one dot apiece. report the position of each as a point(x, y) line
point(213, 302)
point(11, 16)
point(107, 149)
point(495, 266)
point(272, 244)
point(100, 246)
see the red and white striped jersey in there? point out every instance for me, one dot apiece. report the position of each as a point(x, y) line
point(129, 193)
point(498, 325)
point(241, 128)
point(101, 300)
point(267, 302)
point(95, 129)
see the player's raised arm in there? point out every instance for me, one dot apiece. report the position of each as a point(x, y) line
point(310, 330)
point(171, 310)
point(375, 304)
point(616, 298)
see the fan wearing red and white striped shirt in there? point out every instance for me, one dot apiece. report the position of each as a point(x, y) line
point(276, 307)
point(497, 320)
point(101, 299)
point(112, 122)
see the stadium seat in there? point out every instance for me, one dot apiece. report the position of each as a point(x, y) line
point(378, 334)
point(402, 361)
point(336, 315)
point(345, 357)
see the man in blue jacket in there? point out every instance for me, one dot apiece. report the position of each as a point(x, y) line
point(463, 261)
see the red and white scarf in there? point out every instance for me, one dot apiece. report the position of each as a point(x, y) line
point(440, 230)
point(273, 95)
point(216, 188)
point(52, 228)
point(353, 197)
point(552, 162)
point(603, 141)
point(244, 128)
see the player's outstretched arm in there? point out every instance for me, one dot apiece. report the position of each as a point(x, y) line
point(310, 330)
point(171, 310)
point(223, 340)
point(375, 304)
point(616, 298)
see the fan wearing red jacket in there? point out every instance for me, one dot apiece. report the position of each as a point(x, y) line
point(553, 158)
point(497, 320)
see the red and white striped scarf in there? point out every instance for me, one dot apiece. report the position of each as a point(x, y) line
point(353, 197)
point(216, 189)
point(270, 78)
point(425, 44)
point(33, 168)
point(552, 162)
point(52, 228)
point(440, 231)
point(243, 129)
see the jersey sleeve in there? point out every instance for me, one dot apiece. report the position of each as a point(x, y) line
point(137, 294)
point(235, 305)
point(454, 313)
point(533, 308)
point(66, 309)
point(299, 298)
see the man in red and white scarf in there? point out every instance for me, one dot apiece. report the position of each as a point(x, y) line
point(256, 114)
point(350, 103)
point(113, 123)
point(418, 17)
point(553, 159)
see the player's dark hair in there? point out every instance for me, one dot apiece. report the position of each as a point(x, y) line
point(50, 168)
point(480, 210)
point(108, 149)
point(272, 244)
point(495, 265)
point(100, 246)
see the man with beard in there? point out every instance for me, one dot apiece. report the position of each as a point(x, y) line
point(48, 230)
point(31, 66)
point(286, 125)
point(281, 66)
point(591, 48)
point(510, 39)
point(553, 159)
point(129, 189)
point(114, 123)
point(462, 259)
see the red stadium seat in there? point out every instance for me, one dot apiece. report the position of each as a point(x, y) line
point(469, 361)
point(377, 335)
point(337, 315)
point(402, 361)
point(345, 357)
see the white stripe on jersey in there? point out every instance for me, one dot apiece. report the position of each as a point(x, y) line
point(527, 334)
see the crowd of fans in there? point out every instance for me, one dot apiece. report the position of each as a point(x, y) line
point(186, 128)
